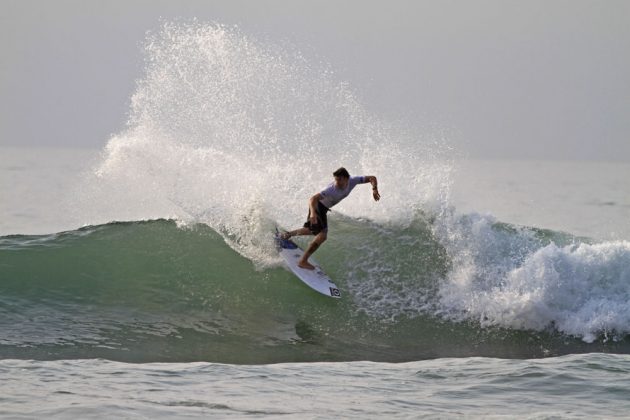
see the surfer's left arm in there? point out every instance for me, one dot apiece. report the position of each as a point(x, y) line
point(372, 180)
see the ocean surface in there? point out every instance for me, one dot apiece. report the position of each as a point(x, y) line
point(141, 280)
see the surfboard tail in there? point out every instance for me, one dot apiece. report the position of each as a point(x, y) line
point(315, 279)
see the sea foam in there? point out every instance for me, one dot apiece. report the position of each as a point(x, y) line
point(237, 134)
point(516, 278)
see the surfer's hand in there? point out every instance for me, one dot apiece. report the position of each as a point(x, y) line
point(376, 195)
point(313, 220)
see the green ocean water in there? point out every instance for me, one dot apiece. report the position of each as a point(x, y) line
point(155, 292)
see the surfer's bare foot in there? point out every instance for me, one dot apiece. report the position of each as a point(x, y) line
point(306, 265)
point(285, 235)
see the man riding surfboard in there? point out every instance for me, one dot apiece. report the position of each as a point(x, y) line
point(319, 204)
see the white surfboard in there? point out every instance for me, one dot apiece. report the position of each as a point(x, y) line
point(315, 279)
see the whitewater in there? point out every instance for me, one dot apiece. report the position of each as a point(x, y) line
point(164, 257)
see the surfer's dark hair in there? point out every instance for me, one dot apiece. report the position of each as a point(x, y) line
point(341, 172)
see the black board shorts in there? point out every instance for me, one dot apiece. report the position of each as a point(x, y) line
point(322, 219)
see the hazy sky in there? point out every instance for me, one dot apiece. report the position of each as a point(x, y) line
point(516, 79)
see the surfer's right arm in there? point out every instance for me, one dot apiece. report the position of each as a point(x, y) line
point(312, 202)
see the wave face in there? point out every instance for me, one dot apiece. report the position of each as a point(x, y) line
point(153, 291)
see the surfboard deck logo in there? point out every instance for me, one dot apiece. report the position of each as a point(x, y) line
point(316, 279)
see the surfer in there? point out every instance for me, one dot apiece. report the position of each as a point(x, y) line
point(319, 204)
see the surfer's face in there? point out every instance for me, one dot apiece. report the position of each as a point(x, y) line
point(341, 182)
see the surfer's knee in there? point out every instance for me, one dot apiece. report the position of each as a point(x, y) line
point(321, 237)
